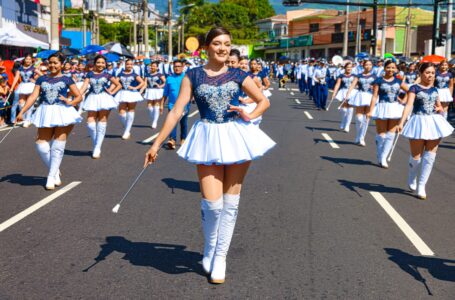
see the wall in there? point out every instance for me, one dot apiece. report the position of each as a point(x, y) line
point(76, 38)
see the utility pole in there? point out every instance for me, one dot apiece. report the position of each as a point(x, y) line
point(156, 39)
point(179, 34)
point(449, 30)
point(55, 40)
point(346, 31)
point(435, 26)
point(84, 30)
point(407, 44)
point(183, 33)
point(384, 29)
point(146, 29)
point(63, 13)
point(134, 33)
point(358, 40)
point(170, 29)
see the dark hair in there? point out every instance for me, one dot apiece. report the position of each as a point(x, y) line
point(181, 61)
point(27, 55)
point(99, 56)
point(425, 66)
point(214, 32)
point(155, 63)
point(58, 55)
point(129, 59)
point(347, 64)
point(389, 62)
point(235, 52)
point(243, 58)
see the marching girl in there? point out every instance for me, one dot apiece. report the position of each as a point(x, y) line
point(154, 93)
point(444, 84)
point(344, 81)
point(222, 144)
point(55, 117)
point(425, 128)
point(234, 59)
point(28, 75)
point(99, 102)
point(128, 96)
point(386, 108)
point(411, 75)
point(265, 82)
point(361, 101)
point(246, 102)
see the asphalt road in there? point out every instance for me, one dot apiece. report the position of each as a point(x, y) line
point(313, 223)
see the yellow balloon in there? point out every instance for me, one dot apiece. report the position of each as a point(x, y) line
point(192, 44)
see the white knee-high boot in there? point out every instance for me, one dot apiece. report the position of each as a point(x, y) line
point(100, 133)
point(210, 216)
point(349, 115)
point(122, 119)
point(226, 230)
point(427, 165)
point(156, 116)
point(366, 122)
point(129, 124)
point(413, 171)
point(358, 127)
point(388, 144)
point(91, 128)
point(57, 151)
point(380, 139)
point(151, 110)
point(44, 150)
point(343, 112)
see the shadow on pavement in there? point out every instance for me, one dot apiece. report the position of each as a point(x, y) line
point(350, 161)
point(437, 267)
point(167, 258)
point(371, 187)
point(191, 186)
point(77, 153)
point(113, 136)
point(321, 128)
point(446, 146)
point(24, 179)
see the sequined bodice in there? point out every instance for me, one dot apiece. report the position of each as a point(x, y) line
point(346, 81)
point(410, 77)
point(128, 80)
point(53, 87)
point(154, 80)
point(425, 100)
point(388, 91)
point(442, 80)
point(98, 82)
point(365, 82)
point(79, 76)
point(214, 95)
point(27, 73)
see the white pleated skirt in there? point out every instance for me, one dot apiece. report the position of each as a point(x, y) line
point(80, 84)
point(128, 96)
point(427, 127)
point(25, 88)
point(387, 110)
point(97, 102)
point(249, 107)
point(342, 94)
point(56, 115)
point(445, 95)
point(154, 94)
point(224, 144)
point(361, 99)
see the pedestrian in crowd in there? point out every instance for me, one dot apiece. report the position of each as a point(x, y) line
point(128, 97)
point(309, 79)
point(320, 89)
point(363, 83)
point(444, 84)
point(155, 82)
point(171, 93)
point(99, 102)
point(4, 92)
point(27, 75)
point(425, 128)
point(410, 76)
point(222, 144)
point(340, 92)
point(55, 117)
point(386, 108)
point(234, 59)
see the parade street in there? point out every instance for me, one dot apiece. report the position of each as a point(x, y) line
point(318, 218)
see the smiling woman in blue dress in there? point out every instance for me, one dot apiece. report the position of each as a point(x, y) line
point(222, 144)
point(55, 117)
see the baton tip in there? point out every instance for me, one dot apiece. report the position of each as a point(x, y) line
point(116, 208)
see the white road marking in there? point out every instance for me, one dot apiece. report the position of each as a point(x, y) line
point(331, 142)
point(298, 101)
point(292, 93)
point(307, 114)
point(281, 89)
point(295, 90)
point(6, 128)
point(270, 89)
point(403, 225)
point(193, 113)
point(148, 140)
point(37, 205)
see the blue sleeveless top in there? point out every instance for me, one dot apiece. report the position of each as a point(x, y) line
point(425, 100)
point(442, 80)
point(98, 82)
point(213, 95)
point(26, 73)
point(410, 77)
point(388, 91)
point(53, 87)
point(128, 80)
point(365, 82)
point(346, 81)
point(153, 80)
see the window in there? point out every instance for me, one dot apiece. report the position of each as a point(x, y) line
point(338, 27)
point(314, 27)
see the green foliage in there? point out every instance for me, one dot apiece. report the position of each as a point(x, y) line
point(73, 21)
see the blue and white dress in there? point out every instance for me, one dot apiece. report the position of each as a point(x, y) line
point(221, 137)
point(52, 111)
point(365, 90)
point(346, 81)
point(125, 94)
point(153, 92)
point(410, 78)
point(387, 105)
point(425, 123)
point(80, 77)
point(441, 82)
point(97, 97)
point(26, 87)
